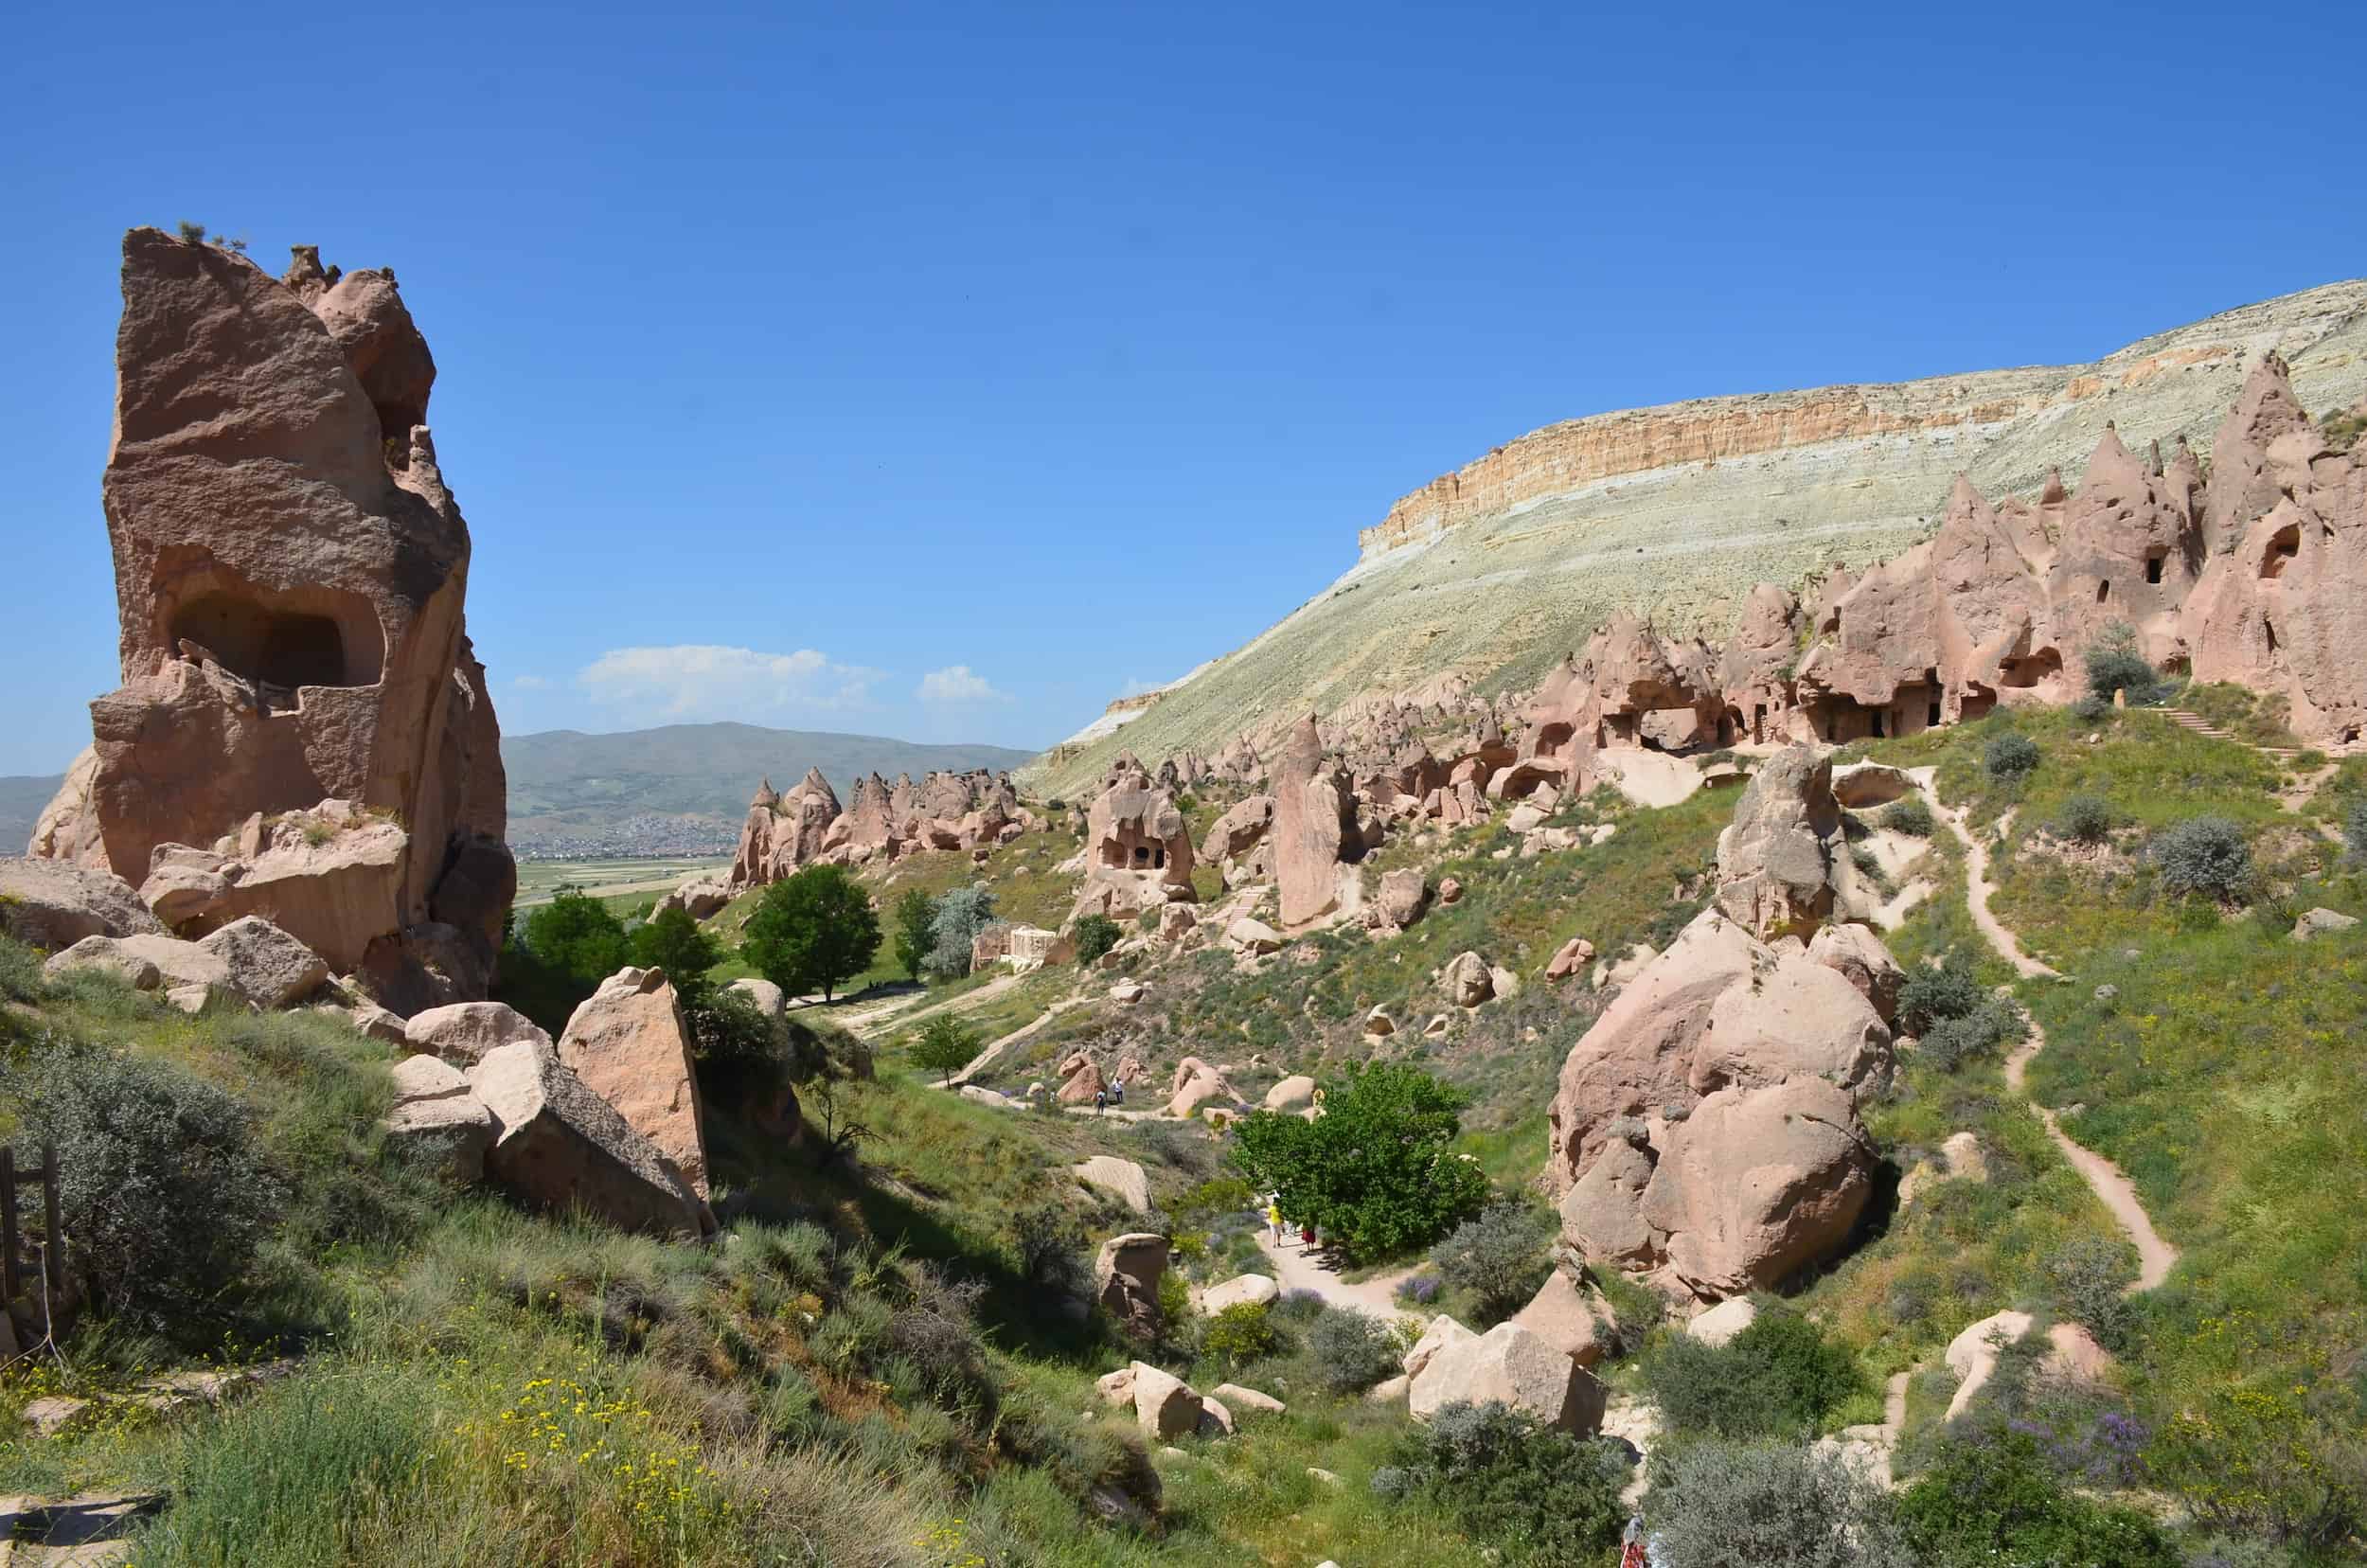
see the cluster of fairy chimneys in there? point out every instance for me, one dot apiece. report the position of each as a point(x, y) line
point(970, 811)
point(2251, 569)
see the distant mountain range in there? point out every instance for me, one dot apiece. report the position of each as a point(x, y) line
point(679, 790)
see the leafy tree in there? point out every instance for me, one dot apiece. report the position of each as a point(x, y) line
point(578, 935)
point(738, 1051)
point(913, 912)
point(953, 926)
point(1377, 1170)
point(944, 1046)
point(674, 942)
point(812, 930)
point(1095, 935)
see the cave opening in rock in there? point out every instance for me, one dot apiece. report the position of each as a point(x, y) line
point(2283, 547)
point(281, 648)
point(2153, 569)
point(2103, 590)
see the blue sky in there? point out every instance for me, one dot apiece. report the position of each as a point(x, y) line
point(943, 371)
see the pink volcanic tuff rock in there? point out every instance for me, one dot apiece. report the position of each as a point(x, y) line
point(1569, 958)
point(1797, 1019)
point(267, 966)
point(1467, 981)
point(558, 1145)
point(1403, 894)
point(1080, 1081)
point(435, 1113)
point(52, 905)
point(290, 572)
point(1782, 861)
point(1241, 826)
point(332, 872)
point(630, 1046)
point(1857, 953)
point(1518, 1366)
point(1314, 827)
point(1127, 1272)
point(1138, 850)
point(465, 1031)
point(1194, 1084)
point(1572, 1318)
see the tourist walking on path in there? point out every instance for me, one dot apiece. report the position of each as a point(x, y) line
point(1273, 1220)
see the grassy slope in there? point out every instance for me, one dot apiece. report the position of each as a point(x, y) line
point(2221, 1073)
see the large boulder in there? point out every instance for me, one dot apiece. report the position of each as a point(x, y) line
point(1246, 1290)
point(1291, 1093)
point(51, 904)
point(1166, 1407)
point(558, 1146)
point(1798, 1019)
point(1517, 1366)
point(1467, 981)
point(1403, 894)
point(333, 874)
point(1855, 953)
point(1194, 1086)
point(1122, 1179)
point(1572, 1318)
point(289, 574)
point(146, 963)
point(630, 1044)
point(462, 1032)
point(438, 1120)
point(1757, 1183)
point(1718, 1326)
point(267, 966)
point(1440, 1332)
point(1127, 1272)
point(1238, 831)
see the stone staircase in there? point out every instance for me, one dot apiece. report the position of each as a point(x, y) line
point(2195, 723)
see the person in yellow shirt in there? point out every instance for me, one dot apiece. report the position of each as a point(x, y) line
point(1273, 1220)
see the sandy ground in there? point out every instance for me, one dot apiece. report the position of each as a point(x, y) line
point(1297, 1268)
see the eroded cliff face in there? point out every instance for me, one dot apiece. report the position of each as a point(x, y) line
point(1496, 574)
point(290, 574)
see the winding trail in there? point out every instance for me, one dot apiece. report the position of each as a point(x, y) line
point(1297, 1268)
point(2115, 1191)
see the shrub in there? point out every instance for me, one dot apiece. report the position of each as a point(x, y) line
point(1779, 1377)
point(2088, 708)
point(1418, 1289)
point(1952, 1042)
point(1498, 1256)
point(1351, 1351)
point(2085, 819)
point(2009, 759)
point(1377, 1170)
point(1095, 935)
point(2355, 832)
point(954, 922)
point(2115, 665)
point(2086, 1278)
point(1909, 816)
point(1241, 1333)
point(1717, 1503)
point(1929, 995)
point(1995, 1502)
point(2204, 854)
point(165, 1193)
point(1049, 1244)
point(1540, 1495)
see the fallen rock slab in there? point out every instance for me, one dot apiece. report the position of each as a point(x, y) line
point(463, 1032)
point(1517, 1366)
point(52, 904)
point(1248, 1289)
point(1122, 1179)
point(630, 1044)
point(558, 1146)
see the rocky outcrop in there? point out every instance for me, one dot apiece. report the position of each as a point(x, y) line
point(1782, 863)
point(51, 905)
point(558, 1146)
point(1080, 1081)
point(290, 574)
point(335, 872)
point(630, 1044)
point(250, 960)
point(463, 1032)
point(1127, 1272)
point(1121, 1179)
point(437, 1121)
point(1138, 852)
point(1194, 1084)
point(1240, 1290)
point(1314, 828)
point(783, 832)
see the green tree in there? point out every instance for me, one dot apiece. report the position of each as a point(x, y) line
point(813, 931)
point(578, 935)
point(913, 939)
point(1095, 935)
point(1376, 1171)
point(673, 941)
point(944, 1046)
point(954, 922)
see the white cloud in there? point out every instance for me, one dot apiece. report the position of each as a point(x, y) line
point(529, 683)
point(956, 685)
point(699, 680)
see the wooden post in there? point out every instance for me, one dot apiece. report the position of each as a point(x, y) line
point(7, 1225)
point(53, 1235)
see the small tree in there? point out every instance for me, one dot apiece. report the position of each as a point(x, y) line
point(1377, 1170)
point(1773, 1507)
point(944, 1046)
point(1499, 1256)
point(912, 940)
point(2086, 819)
point(813, 931)
point(674, 942)
point(1095, 935)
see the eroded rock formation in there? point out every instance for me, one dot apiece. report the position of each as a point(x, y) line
point(290, 577)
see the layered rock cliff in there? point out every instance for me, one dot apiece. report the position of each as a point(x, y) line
point(1496, 572)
